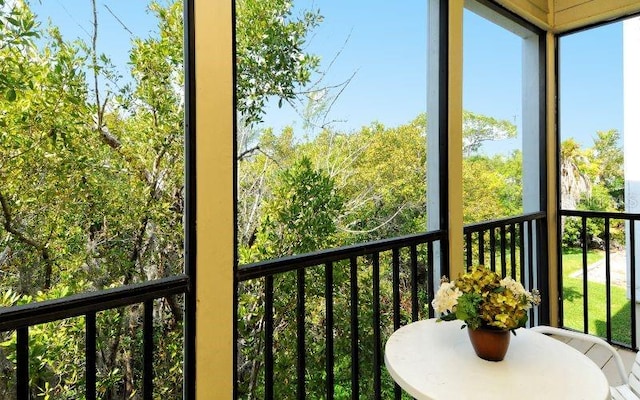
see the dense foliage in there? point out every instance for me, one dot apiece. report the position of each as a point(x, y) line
point(92, 195)
point(92, 180)
point(593, 179)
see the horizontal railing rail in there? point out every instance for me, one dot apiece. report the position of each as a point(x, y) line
point(497, 223)
point(619, 329)
point(291, 263)
point(600, 214)
point(20, 318)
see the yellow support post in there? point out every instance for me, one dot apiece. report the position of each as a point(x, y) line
point(552, 198)
point(215, 203)
point(456, 244)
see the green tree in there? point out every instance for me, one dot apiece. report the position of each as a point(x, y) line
point(42, 136)
point(495, 180)
point(380, 174)
point(386, 181)
point(478, 128)
point(608, 155)
point(574, 172)
point(270, 53)
point(102, 204)
point(299, 217)
point(492, 187)
point(592, 179)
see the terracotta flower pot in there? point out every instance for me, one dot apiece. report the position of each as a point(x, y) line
point(490, 344)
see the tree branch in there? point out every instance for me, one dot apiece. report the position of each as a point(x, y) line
point(248, 152)
point(345, 229)
point(94, 60)
point(119, 20)
point(22, 237)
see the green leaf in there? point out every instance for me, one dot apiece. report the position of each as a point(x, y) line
point(449, 317)
point(13, 21)
point(10, 94)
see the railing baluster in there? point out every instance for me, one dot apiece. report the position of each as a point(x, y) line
point(560, 278)
point(632, 240)
point(503, 251)
point(492, 248)
point(481, 247)
point(512, 242)
point(523, 251)
point(328, 295)
point(431, 290)
point(585, 287)
point(377, 352)
point(300, 321)
point(268, 337)
point(414, 283)
point(395, 260)
point(542, 272)
point(530, 269)
point(396, 304)
point(147, 373)
point(607, 267)
point(355, 356)
point(90, 355)
point(22, 360)
point(469, 248)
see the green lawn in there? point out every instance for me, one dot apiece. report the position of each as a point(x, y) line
point(573, 300)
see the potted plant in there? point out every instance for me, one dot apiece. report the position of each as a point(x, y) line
point(490, 307)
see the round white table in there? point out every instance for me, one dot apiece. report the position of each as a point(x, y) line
point(435, 360)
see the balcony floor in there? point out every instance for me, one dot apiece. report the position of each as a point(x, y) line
point(602, 358)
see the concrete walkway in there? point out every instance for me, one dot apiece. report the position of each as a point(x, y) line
point(596, 272)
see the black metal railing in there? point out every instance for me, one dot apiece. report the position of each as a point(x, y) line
point(315, 324)
point(21, 318)
point(582, 234)
point(350, 299)
point(514, 247)
point(505, 243)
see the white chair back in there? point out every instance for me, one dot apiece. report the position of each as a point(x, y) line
point(630, 389)
point(634, 376)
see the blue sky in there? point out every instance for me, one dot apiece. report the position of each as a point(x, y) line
point(385, 46)
point(492, 76)
point(591, 81)
point(75, 20)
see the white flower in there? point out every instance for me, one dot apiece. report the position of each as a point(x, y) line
point(446, 297)
point(514, 286)
point(534, 297)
